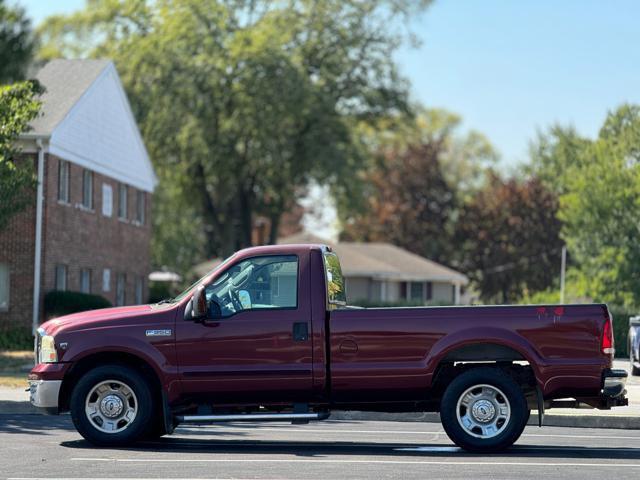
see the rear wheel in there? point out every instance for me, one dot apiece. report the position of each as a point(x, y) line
point(112, 405)
point(484, 410)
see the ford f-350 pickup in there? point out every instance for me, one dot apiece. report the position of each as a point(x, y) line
point(268, 335)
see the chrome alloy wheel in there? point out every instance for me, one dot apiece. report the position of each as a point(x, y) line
point(111, 406)
point(483, 411)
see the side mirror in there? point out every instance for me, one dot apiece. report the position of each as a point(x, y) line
point(199, 303)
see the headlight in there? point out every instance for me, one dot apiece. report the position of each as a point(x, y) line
point(47, 350)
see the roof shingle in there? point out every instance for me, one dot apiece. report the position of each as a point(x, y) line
point(65, 82)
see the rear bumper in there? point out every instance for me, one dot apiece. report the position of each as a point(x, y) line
point(613, 383)
point(44, 395)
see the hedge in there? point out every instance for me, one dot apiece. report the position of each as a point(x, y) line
point(16, 338)
point(57, 303)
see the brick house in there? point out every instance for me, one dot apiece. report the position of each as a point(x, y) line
point(91, 230)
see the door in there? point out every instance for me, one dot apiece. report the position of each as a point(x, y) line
point(255, 344)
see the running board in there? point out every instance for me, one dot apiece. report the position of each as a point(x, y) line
point(255, 417)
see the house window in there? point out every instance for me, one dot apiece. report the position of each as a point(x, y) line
point(106, 280)
point(87, 189)
point(61, 278)
point(417, 291)
point(122, 201)
point(4, 287)
point(140, 207)
point(85, 280)
point(429, 290)
point(139, 290)
point(121, 283)
point(107, 200)
point(63, 181)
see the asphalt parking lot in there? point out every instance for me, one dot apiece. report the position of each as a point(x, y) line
point(33, 446)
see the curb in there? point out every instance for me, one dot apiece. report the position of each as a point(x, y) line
point(550, 420)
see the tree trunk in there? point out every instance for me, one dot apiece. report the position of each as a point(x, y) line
point(274, 227)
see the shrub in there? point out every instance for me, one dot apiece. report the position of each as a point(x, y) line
point(57, 303)
point(159, 291)
point(16, 338)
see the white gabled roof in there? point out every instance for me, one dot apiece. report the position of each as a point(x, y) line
point(88, 120)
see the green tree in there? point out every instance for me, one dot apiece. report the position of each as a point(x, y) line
point(509, 239)
point(555, 155)
point(601, 213)
point(18, 106)
point(242, 103)
point(16, 43)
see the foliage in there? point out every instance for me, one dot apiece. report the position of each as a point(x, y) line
point(508, 236)
point(159, 291)
point(422, 171)
point(16, 43)
point(409, 203)
point(600, 210)
point(556, 155)
point(58, 303)
point(16, 338)
point(242, 103)
point(18, 107)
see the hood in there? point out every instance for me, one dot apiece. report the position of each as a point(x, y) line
point(98, 318)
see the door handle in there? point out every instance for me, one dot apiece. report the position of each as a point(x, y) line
point(300, 332)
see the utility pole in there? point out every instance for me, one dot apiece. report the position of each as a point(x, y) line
point(563, 267)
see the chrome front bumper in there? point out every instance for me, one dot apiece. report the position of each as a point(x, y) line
point(44, 394)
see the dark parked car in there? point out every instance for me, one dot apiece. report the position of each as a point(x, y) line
point(268, 336)
point(634, 345)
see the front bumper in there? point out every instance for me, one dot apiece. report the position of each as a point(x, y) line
point(44, 395)
point(613, 383)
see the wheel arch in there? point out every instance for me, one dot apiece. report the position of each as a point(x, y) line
point(496, 346)
point(109, 357)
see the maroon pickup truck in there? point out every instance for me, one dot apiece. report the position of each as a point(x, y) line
point(267, 335)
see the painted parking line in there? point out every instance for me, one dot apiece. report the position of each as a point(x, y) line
point(357, 462)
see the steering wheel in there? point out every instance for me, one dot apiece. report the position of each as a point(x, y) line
point(233, 296)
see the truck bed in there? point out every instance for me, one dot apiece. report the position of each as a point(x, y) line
point(399, 350)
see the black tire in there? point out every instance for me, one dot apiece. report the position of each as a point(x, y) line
point(509, 430)
point(136, 429)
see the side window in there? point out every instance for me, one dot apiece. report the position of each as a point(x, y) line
point(268, 282)
point(336, 291)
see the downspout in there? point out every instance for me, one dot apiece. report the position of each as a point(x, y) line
point(38, 248)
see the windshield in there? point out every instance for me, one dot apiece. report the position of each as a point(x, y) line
point(200, 280)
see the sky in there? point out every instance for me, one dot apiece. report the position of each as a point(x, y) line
point(510, 68)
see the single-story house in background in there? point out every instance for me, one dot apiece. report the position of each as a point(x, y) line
point(88, 228)
point(384, 273)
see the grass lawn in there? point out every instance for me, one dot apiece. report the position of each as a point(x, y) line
point(14, 367)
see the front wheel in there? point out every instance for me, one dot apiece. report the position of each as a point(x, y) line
point(112, 405)
point(484, 410)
